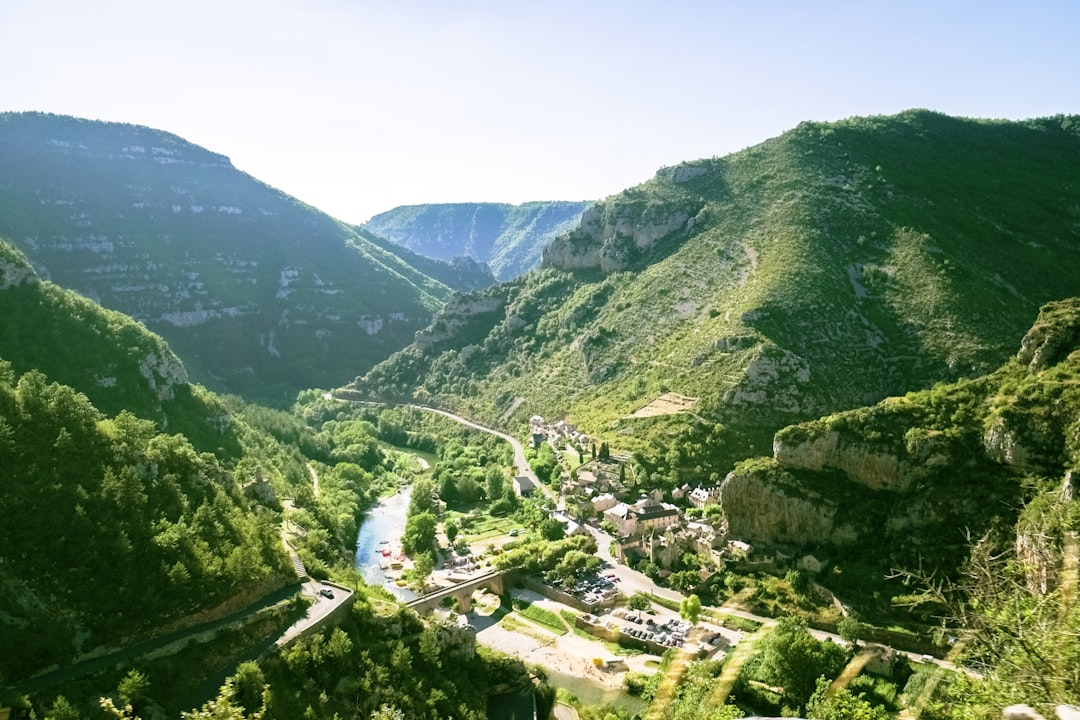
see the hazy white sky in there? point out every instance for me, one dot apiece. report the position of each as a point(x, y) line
point(356, 107)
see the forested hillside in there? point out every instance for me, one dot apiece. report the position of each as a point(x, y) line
point(509, 238)
point(111, 528)
point(256, 291)
point(824, 269)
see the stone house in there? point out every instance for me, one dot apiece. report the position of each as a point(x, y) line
point(524, 486)
point(699, 497)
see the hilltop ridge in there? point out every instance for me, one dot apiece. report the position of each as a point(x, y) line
point(824, 269)
point(257, 291)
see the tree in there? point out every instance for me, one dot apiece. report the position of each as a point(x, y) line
point(62, 709)
point(423, 565)
point(134, 689)
point(639, 601)
point(841, 706)
point(388, 712)
point(495, 485)
point(419, 533)
point(850, 629)
point(552, 529)
point(794, 660)
point(684, 580)
point(605, 452)
point(451, 529)
point(248, 686)
point(690, 609)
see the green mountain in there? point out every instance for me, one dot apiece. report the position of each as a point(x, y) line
point(509, 238)
point(258, 292)
point(974, 483)
point(824, 269)
point(112, 359)
point(112, 527)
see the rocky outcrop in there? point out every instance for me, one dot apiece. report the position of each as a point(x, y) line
point(1003, 445)
point(763, 502)
point(861, 463)
point(1056, 333)
point(569, 255)
point(163, 372)
point(15, 269)
point(459, 311)
point(613, 234)
point(773, 377)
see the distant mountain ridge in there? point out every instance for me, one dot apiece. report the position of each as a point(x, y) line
point(258, 292)
point(824, 269)
point(509, 238)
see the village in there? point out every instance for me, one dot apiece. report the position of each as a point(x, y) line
point(654, 526)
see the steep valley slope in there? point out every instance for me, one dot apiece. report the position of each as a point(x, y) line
point(824, 269)
point(257, 292)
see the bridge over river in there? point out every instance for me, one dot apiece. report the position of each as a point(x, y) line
point(462, 591)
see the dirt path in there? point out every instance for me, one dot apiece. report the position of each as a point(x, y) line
point(314, 478)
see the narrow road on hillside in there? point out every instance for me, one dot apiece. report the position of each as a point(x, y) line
point(72, 672)
point(520, 461)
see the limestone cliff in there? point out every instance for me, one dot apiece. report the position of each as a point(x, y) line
point(459, 312)
point(763, 501)
point(614, 233)
point(1055, 334)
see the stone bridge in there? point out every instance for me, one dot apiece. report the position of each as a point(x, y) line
point(463, 592)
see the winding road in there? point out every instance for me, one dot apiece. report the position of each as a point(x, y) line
point(520, 462)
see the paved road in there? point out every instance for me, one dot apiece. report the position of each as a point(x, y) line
point(318, 612)
point(520, 461)
point(72, 672)
point(631, 581)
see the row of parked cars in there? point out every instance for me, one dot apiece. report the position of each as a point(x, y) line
point(592, 589)
point(657, 636)
point(671, 633)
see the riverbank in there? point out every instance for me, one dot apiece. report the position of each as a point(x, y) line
point(381, 529)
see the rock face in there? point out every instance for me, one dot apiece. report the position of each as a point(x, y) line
point(15, 269)
point(509, 238)
point(1003, 444)
point(614, 233)
point(459, 312)
point(767, 503)
point(860, 462)
point(1055, 334)
point(252, 288)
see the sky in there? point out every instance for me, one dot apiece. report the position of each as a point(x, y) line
point(356, 107)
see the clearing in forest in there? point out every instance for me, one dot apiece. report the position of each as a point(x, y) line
point(667, 404)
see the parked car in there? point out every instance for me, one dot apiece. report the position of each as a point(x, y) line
point(327, 593)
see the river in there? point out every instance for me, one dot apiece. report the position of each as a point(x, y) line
point(384, 522)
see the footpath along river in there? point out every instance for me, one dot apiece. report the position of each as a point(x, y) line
point(381, 529)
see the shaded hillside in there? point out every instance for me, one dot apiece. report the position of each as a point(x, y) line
point(509, 238)
point(824, 269)
point(256, 291)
